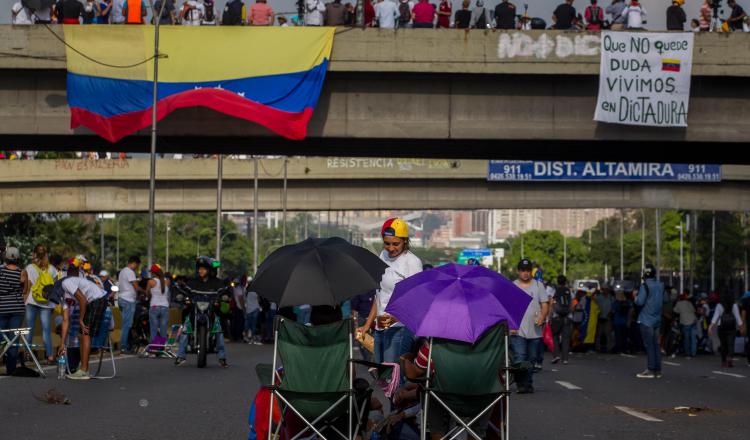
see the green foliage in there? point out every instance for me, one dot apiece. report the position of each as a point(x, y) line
point(436, 256)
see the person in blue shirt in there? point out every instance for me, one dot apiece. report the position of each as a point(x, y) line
point(650, 299)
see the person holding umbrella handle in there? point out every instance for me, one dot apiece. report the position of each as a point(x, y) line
point(392, 339)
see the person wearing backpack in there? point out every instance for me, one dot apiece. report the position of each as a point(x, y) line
point(234, 13)
point(41, 274)
point(209, 13)
point(727, 320)
point(561, 321)
point(404, 10)
point(480, 16)
point(335, 14)
point(594, 16)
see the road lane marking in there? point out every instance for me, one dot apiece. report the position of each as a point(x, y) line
point(638, 414)
point(568, 385)
point(674, 364)
point(729, 374)
point(627, 355)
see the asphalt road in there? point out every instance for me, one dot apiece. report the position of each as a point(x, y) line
point(152, 399)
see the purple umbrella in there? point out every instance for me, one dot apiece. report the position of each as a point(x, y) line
point(457, 302)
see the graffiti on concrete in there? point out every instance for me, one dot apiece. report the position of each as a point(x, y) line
point(521, 45)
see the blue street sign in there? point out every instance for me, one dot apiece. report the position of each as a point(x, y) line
point(524, 171)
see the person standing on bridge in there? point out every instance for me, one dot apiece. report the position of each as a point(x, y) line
point(392, 339)
point(615, 10)
point(564, 16)
point(423, 15)
point(651, 299)
point(676, 17)
point(634, 15)
point(505, 15)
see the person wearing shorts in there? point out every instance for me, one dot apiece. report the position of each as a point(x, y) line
point(92, 301)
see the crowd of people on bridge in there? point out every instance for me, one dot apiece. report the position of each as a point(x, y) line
point(387, 14)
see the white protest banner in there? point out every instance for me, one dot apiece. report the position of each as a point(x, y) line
point(644, 78)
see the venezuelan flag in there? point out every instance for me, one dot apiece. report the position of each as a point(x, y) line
point(670, 65)
point(271, 76)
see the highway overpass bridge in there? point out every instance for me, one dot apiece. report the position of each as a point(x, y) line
point(321, 184)
point(439, 93)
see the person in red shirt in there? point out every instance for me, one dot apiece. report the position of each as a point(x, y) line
point(423, 15)
point(594, 17)
point(444, 14)
point(369, 13)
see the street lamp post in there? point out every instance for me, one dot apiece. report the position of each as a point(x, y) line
point(713, 251)
point(101, 240)
point(565, 255)
point(152, 174)
point(117, 251)
point(682, 263)
point(622, 244)
point(166, 263)
point(606, 262)
point(283, 204)
point(255, 215)
point(657, 220)
point(643, 240)
point(220, 176)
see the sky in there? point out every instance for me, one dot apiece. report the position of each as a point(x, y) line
point(537, 8)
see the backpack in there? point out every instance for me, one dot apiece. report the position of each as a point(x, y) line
point(562, 301)
point(727, 320)
point(209, 5)
point(594, 12)
point(55, 292)
point(38, 291)
point(232, 15)
point(482, 21)
point(538, 23)
point(404, 13)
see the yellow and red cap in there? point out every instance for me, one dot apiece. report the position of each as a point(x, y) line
point(395, 227)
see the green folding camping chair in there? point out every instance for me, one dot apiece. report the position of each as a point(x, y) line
point(467, 381)
point(317, 382)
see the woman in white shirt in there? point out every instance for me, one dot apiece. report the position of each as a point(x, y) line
point(727, 322)
point(392, 339)
point(158, 311)
point(634, 15)
point(40, 263)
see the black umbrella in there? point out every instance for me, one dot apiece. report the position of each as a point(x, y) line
point(318, 271)
point(37, 5)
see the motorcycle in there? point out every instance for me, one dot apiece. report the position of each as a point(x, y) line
point(205, 325)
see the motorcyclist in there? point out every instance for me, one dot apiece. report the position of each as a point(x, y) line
point(204, 281)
